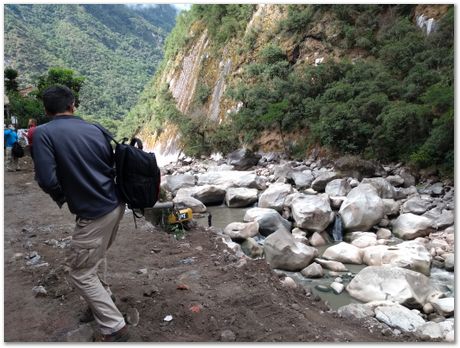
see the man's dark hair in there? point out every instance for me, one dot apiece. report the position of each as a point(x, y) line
point(57, 99)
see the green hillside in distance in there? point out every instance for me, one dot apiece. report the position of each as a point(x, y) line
point(115, 47)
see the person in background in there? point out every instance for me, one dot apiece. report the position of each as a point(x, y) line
point(12, 163)
point(74, 165)
point(30, 134)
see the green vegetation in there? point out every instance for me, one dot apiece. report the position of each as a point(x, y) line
point(394, 103)
point(31, 106)
point(116, 47)
point(397, 106)
point(223, 22)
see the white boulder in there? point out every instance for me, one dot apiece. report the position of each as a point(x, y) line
point(283, 252)
point(362, 209)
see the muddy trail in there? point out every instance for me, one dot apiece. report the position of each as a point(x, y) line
point(210, 294)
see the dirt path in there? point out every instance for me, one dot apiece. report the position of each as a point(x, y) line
point(210, 293)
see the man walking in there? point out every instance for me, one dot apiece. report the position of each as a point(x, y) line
point(74, 165)
point(12, 162)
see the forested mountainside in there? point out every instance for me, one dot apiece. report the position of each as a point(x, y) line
point(371, 80)
point(116, 48)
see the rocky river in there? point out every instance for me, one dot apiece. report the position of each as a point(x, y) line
point(372, 240)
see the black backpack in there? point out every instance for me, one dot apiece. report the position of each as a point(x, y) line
point(17, 150)
point(137, 176)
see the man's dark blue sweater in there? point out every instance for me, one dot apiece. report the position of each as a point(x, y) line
point(73, 164)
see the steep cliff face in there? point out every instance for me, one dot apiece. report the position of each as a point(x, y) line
point(203, 69)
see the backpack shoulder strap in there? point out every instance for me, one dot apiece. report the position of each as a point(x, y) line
point(106, 133)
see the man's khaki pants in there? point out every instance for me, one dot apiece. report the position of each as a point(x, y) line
point(87, 262)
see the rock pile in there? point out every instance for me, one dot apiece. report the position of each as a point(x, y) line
point(398, 230)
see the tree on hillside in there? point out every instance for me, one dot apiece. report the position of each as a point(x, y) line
point(61, 76)
point(11, 84)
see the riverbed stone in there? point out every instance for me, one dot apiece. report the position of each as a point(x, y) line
point(383, 187)
point(383, 233)
point(319, 184)
point(449, 262)
point(391, 207)
point(338, 187)
point(251, 248)
point(313, 270)
point(209, 194)
point(317, 239)
point(176, 182)
point(337, 287)
point(355, 310)
point(410, 254)
point(410, 226)
point(395, 180)
point(430, 331)
point(362, 209)
point(236, 197)
point(416, 205)
point(302, 179)
point(441, 218)
point(444, 306)
point(243, 159)
point(269, 220)
point(334, 266)
point(344, 252)
point(240, 231)
point(274, 196)
point(312, 213)
point(190, 202)
point(283, 252)
point(399, 317)
point(361, 239)
point(300, 236)
point(232, 178)
point(357, 167)
point(400, 285)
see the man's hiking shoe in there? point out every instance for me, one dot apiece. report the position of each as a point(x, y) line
point(121, 335)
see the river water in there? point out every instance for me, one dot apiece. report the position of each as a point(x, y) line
point(222, 216)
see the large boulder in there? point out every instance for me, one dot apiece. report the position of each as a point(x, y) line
point(231, 178)
point(240, 197)
point(410, 226)
point(441, 218)
point(355, 310)
point(361, 239)
point(283, 252)
point(444, 306)
point(176, 182)
point(362, 209)
point(415, 205)
point(269, 220)
point(312, 213)
point(190, 202)
point(274, 196)
point(399, 317)
point(240, 231)
point(243, 159)
point(411, 255)
point(251, 248)
point(313, 270)
point(209, 194)
point(400, 285)
point(357, 168)
point(344, 252)
point(338, 187)
point(335, 266)
point(383, 187)
point(319, 184)
point(302, 179)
